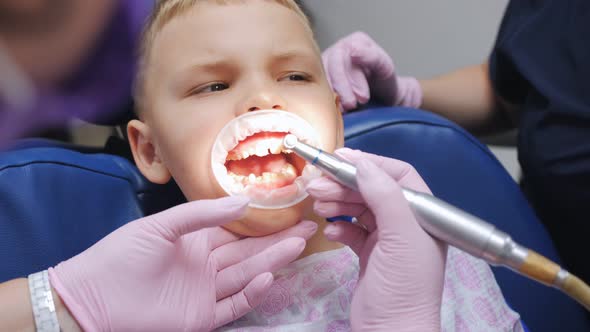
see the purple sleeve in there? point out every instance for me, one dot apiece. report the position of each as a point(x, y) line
point(100, 90)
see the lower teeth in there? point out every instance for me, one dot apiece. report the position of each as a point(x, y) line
point(287, 171)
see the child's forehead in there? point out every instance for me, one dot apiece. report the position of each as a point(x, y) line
point(203, 31)
point(259, 17)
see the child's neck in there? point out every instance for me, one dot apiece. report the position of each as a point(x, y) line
point(318, 242)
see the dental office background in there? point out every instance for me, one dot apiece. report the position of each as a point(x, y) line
point(425, 38)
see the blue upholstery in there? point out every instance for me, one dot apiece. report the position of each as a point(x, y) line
point(56, 200)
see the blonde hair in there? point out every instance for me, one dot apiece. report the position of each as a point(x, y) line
point(164, 11)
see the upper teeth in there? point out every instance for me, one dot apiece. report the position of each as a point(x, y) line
point(263, 148)
point(251, 123)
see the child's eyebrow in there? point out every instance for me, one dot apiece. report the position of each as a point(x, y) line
point(187, 74)
point(295, 55)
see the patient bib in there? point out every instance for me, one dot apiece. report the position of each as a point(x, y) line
point(315, 293)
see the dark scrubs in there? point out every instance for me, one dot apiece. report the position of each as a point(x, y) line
point(541, 63)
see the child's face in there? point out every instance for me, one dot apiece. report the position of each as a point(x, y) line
point(214, 64)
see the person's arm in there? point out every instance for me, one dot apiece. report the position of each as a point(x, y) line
point(16, 313)
point(359, 70)
point(466, 96)
point(183, 249)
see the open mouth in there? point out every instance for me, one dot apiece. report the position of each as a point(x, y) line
point(248, 158)
point(261, 162)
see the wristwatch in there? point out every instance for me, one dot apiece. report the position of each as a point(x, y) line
point(42, 300)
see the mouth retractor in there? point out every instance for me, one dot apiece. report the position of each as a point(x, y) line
point(245, 126)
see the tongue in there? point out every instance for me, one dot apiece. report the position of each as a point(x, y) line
point(257, 165)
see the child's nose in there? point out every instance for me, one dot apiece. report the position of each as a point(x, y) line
point(263, 101)
point(274, 107)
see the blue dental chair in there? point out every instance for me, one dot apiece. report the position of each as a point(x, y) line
point(57, 200)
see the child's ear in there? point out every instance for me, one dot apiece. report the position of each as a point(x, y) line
point(340, 122)
point(145, 153)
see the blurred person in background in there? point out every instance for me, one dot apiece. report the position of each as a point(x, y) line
point(65, 59)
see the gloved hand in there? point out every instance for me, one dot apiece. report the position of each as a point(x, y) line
point(356, 67)
point(168, 272)
point(401, 267)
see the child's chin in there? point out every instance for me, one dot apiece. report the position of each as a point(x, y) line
point(261, 222)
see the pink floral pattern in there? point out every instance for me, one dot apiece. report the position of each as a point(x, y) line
point(276, 301)
point(315, 293)
point(485, 311)
point(341, 325)
point(461, 325)
point(466, 272)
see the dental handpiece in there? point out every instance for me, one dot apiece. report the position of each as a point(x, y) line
point(457, 227)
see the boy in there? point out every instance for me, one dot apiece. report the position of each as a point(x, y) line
point(206, 63)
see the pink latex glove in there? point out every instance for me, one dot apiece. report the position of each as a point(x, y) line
point(356, 67)
point(168, 272)
point(401, 267)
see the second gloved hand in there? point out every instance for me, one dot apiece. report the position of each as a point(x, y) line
point(401, 266)
point(175, 270)
point(358, 69)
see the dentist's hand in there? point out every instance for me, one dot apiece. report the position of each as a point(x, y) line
point(402, 268)
point(175, 271)
point(356, 67)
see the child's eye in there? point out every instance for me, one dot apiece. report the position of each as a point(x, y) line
point(211, 88)
point(296, 77)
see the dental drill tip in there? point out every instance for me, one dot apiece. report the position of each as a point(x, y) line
point(290, 141)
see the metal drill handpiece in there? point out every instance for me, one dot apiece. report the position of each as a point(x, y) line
point(338, 169)
point(440, 219)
